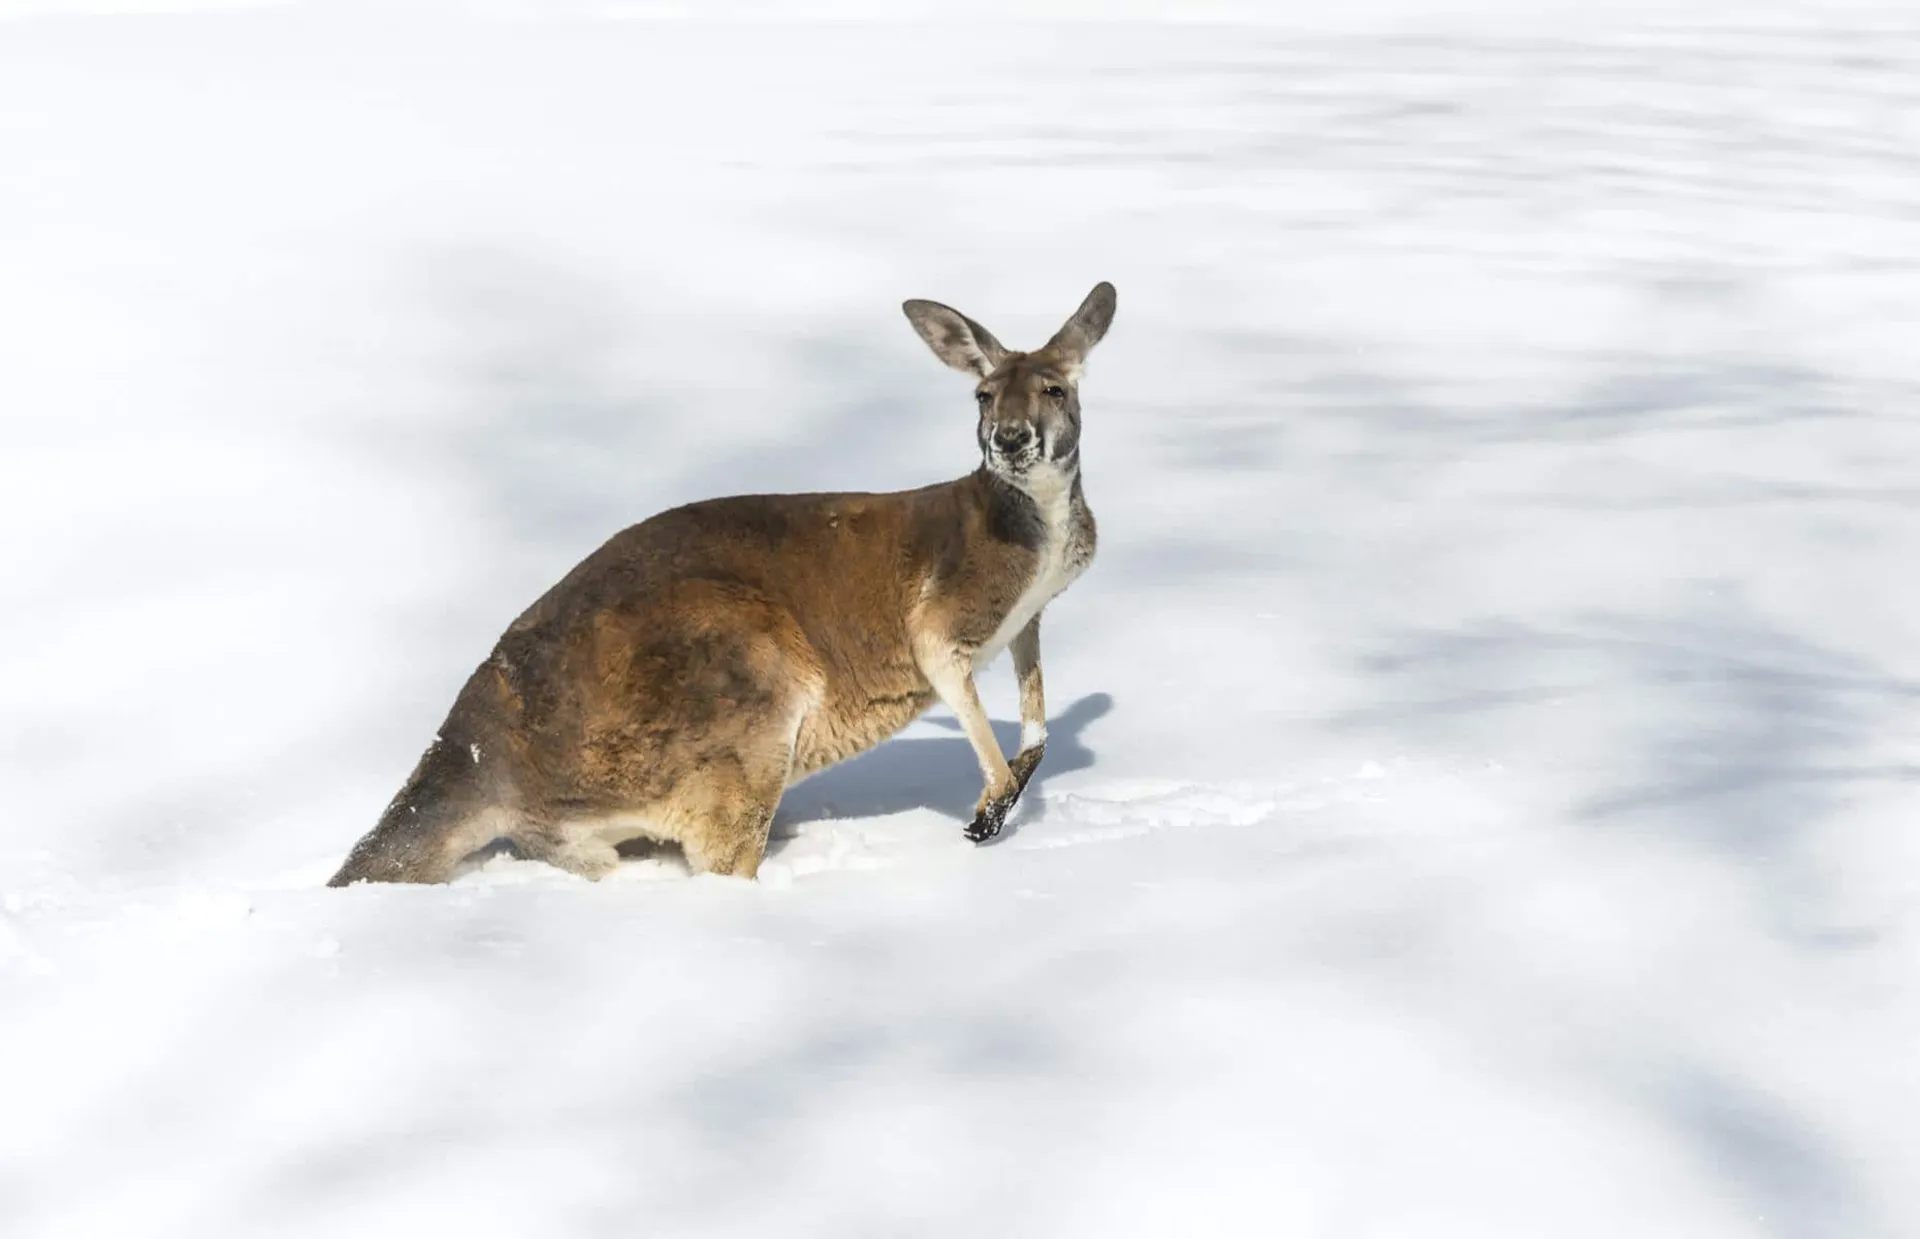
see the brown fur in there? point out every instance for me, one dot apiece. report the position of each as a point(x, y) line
point(682, 676)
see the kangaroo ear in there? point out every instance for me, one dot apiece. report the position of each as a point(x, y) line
point(1089, 323)
point(955, 338)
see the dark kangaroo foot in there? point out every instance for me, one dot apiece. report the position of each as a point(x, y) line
point(992, 815)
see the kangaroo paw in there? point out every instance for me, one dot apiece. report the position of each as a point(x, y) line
point(1024, 763)
point(991, 815)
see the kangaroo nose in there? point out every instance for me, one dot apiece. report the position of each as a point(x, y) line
point(1010, 439)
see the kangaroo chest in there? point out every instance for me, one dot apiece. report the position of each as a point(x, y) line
point(1066, 547)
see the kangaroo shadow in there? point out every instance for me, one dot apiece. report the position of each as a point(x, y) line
point(938, 773)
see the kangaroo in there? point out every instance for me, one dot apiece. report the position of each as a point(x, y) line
point(675, 683)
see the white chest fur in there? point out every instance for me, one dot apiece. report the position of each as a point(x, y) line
point(1057, 567)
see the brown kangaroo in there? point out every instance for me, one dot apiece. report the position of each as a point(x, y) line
point(678, 680)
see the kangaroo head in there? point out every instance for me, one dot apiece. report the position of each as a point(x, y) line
point(1029, 402)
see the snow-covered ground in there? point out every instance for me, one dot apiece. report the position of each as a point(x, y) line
point(1486, 753)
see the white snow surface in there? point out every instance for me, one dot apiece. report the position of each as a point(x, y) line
point(1481, 790)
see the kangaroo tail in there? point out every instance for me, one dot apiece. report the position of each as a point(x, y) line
point(442, 814)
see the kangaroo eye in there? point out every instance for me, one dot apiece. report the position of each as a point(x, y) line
point(984, 397)
point(1057, 393)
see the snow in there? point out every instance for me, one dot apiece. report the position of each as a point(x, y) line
point(1481, 760)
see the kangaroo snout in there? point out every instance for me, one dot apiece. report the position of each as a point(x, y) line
point(1012, 440)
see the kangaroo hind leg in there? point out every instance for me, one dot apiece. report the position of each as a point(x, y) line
point(726, 810)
